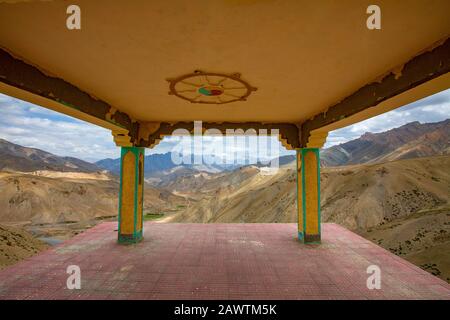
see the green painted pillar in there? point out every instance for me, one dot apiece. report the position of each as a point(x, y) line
point(308, 195)
point(131, 195)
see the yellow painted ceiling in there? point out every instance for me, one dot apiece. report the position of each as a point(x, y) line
point(303, 56)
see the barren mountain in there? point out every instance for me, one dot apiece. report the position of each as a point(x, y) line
point(38, 187)
point(201, 183)
point(365, 196)
point(406, 142)
point(245, 195)
point(160, 169)
point(358, 197)
point(56, 197)
point(402, 205)
point(17, 158)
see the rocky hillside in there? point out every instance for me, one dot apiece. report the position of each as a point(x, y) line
point(402, 205)
point(406, 142)
point(38, 187)
point(17, 244)
point(245, 195)
point(364, 196)
point(422, 238)
point(58, 197)
point(358, 197)
point(17, 158)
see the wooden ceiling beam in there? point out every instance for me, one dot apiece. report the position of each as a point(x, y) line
point(22, 75)
point(420, 69)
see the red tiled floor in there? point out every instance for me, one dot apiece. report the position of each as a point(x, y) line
point(218, 261)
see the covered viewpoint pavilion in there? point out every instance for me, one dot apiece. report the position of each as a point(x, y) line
point(146, 68)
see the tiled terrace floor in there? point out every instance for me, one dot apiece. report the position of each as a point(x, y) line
point(218, 261)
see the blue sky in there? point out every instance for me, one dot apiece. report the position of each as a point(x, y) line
point(32, 126)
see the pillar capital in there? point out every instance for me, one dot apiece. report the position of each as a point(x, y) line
point(316, 139)
point(122, 138)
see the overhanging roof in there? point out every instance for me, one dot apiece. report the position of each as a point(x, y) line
point(303, 56)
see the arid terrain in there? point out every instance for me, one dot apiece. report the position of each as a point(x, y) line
point(48, 198)
point(17, 244)
point(43, 208)
point(402, 205)
point(54, 206)
point(393, 188)
point(422, 238)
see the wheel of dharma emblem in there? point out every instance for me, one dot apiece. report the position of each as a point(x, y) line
point(210, 88)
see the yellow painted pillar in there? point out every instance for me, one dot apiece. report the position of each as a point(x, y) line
point(131, 195)
point(308, 195)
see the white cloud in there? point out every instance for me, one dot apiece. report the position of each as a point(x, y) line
point(32, 126)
